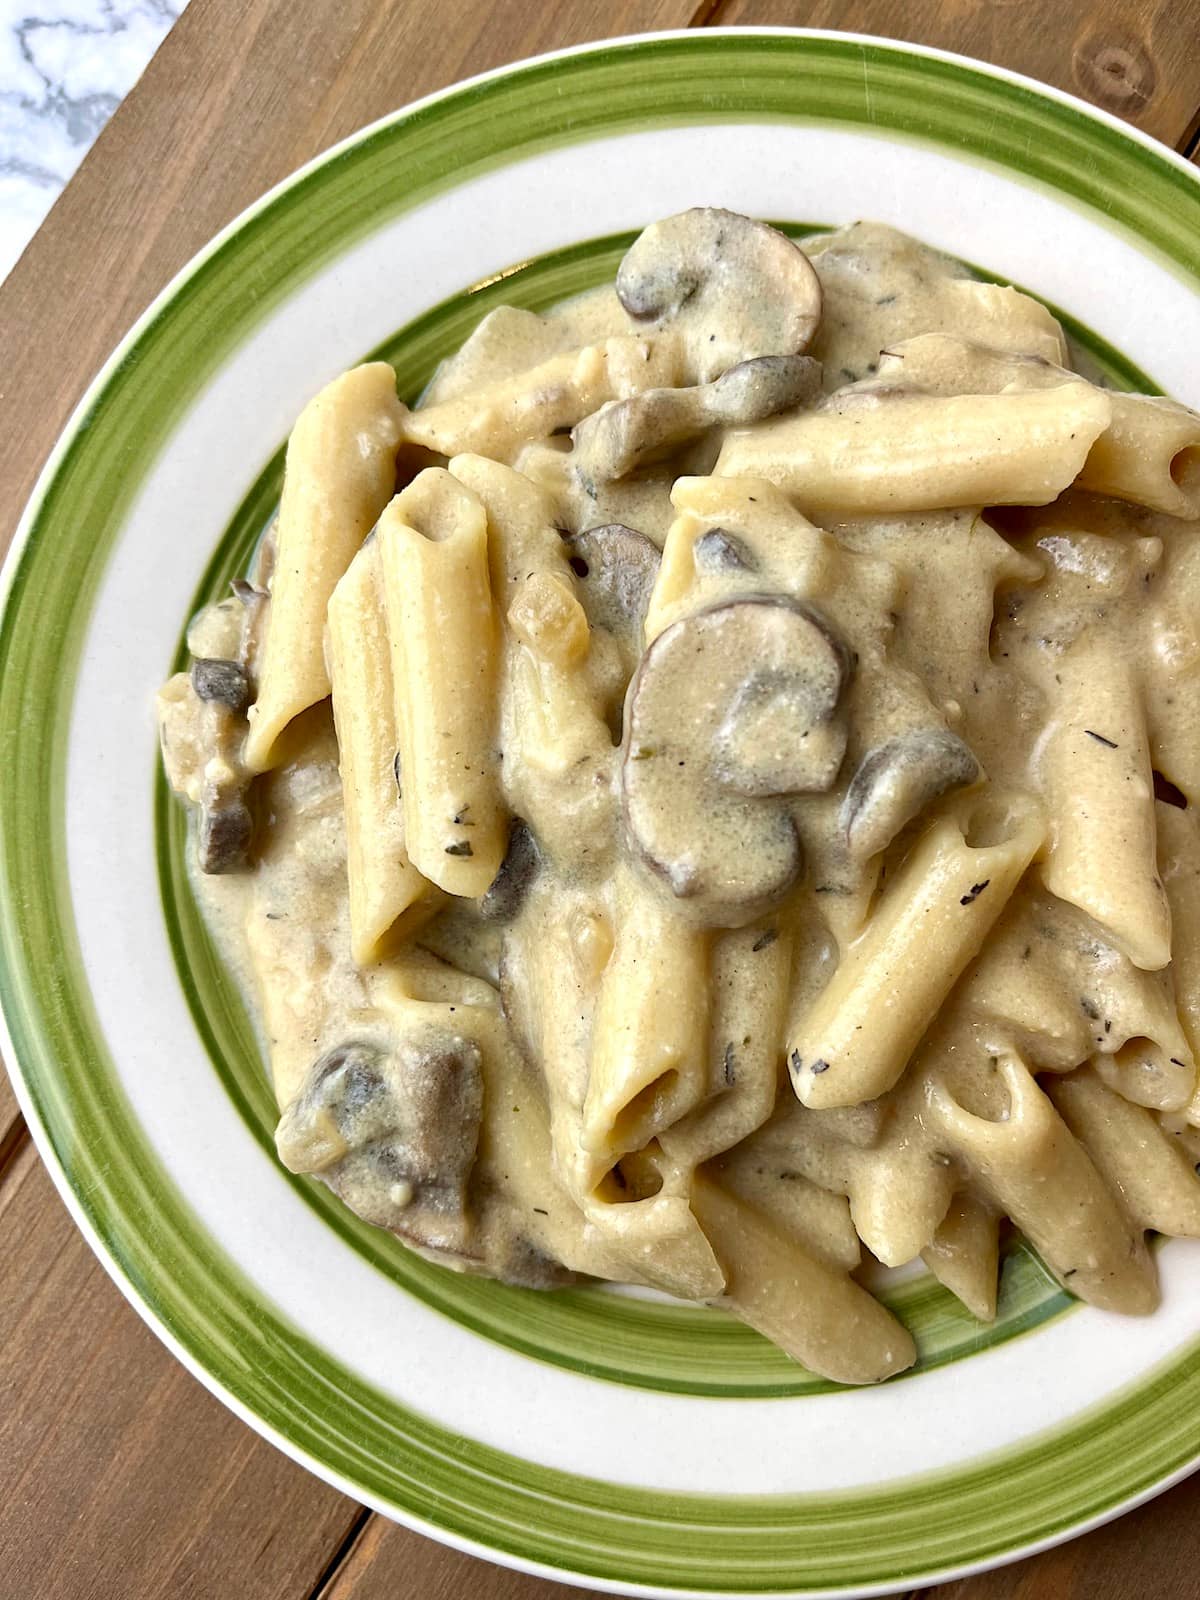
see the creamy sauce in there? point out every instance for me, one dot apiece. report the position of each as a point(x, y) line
point(721, 798)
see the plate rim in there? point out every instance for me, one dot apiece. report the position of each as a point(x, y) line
point(40, 1131)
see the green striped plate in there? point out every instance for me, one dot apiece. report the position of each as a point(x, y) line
point(597, 1436)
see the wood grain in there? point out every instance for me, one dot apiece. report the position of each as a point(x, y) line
point(241, 93)
point(1137, 58)
point(389, 1563)
point(119, 1475)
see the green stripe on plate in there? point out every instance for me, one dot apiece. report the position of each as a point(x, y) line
point(900, 1532)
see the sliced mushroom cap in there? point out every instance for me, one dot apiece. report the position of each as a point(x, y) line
point(720, 551)
point(218, 679)
point(509, 887)
point(897, 780)
point(224, 831)
point(717, 716)
point(734, 287)
point(640, 430)
point(393, 1133)
point(615, 567)
point(781, 733)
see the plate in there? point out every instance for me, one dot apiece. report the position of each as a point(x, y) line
point(592, 1436)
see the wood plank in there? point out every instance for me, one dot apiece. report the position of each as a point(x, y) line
point(12, 1124)
point(1153, 1552)
point(389, 1563)
point(119, 1474)
point(241, 93)
point(1136, 58)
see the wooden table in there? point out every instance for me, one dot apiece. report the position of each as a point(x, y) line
point(119, 1475)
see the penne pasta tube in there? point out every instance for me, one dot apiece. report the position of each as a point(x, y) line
point(1093, 764)
point(557, 745)
point(1149, 452)
point(855, 1040)
point(902, 452)
point(389, 898)
point(748, 987)
point(497, 418)
point(900, 1193)
point(650, 1045)
point(1142, 1164)
point(815, 1313)
point(817, 1219)
point(1038, 1174)
point(442, 629)
point(964, 1255)
point(1179, 864)
point(340, 474)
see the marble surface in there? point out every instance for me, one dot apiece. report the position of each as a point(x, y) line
point(65, 66)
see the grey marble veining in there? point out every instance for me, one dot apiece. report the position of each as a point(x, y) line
point(65, 66)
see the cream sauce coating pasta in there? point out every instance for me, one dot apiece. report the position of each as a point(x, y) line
point(761, 836)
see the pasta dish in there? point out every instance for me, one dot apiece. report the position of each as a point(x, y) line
point(707, 799)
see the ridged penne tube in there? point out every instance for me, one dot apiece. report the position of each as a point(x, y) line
point(1093, 764)
point(340, 473)
point(899, 1195)
point(964, 1255)
point(1143, 1164)
point(1149, 453)
point(442, 628)
point(1032, 1167)
point(554, 957)
point(813, 1311)
point(748, 988)
point(650, 1042)
point(522, 538)
point(497, 418)
point(1179, 864)
point(388, 896)
point(913, 452)
point(552, 726)
point(817, 1219)
point(930, 921)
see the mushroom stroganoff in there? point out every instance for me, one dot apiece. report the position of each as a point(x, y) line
point(710, 795)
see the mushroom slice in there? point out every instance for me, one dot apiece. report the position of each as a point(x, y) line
point(781, 733)
point(616, 567)
point(896, 781)
point(393, 1133)
point(508, 888)
point(644, 428)
point(733, 287)
point(700, 797)
point(721, 551)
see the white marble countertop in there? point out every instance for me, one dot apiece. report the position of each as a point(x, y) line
point(65, 66)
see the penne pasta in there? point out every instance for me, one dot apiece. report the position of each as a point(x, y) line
point(799, 1302)
point(650, 1049)
point(898, 452)
point(389, 898)
point(497, 418)
point(749, 975)
point(441, 627)
point(1031, 1167)
point(946, 898)
point(1094, 767)
point(340, 474)
point(1149, 452)
point(1153, 1178)
point(964, 1255)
